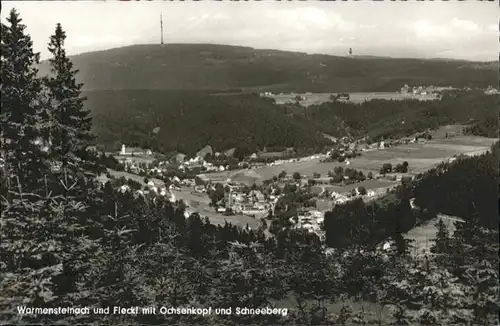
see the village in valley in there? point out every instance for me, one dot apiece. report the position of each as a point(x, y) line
point(252, 164)
point(247, 192)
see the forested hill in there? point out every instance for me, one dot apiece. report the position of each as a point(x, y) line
point(75, 251)
point(189, 120)
point(208, 66)
point(392, 119)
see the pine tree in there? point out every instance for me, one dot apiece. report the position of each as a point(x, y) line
point(442, 241)
point(484, 290)
point(472, 242)
point(21, 114)
point(46, 236)
point(72, 227)
point(70, 131)
point(28, 255)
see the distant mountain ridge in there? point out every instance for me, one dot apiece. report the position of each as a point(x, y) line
point(210, 66)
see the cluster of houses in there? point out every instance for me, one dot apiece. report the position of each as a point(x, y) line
point(238, 202)
point(403, 141)
point(491, 90)
point(144, 168)
point(344, 149)
point(423, 90)
point(153, 187)
point(342, 97)
point(129, 156)
point(310, 220)
point(136, 167)
point(160, 190)
point(131, 151)
point(363, 146)
point(253, 203)
point(266, 94)
point(199, 162)
point(437, 90)
point(250, 204)
point(339, 199)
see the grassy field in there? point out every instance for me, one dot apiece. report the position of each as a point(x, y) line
point(368, 184)
point(424, 234)
point(420, 157)
point(318, 98)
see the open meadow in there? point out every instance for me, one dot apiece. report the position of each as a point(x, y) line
point(425, 234)
point(420, 157)
point(368, 184)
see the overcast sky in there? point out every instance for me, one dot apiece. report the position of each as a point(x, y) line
point(460, 30)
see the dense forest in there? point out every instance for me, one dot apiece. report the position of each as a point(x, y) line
point(187, 121)
point(451, 189)
point(211, 66)
point(487, 126)
point(68, 241)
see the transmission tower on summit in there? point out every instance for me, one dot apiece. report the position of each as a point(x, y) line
point(161, 28)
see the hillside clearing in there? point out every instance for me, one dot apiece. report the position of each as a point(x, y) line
point(425, 234)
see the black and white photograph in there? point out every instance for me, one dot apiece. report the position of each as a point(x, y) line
point(254, 163)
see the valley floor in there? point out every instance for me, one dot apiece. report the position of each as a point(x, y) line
point(421, 157)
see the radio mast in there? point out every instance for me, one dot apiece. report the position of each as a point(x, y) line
point(161, 28)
